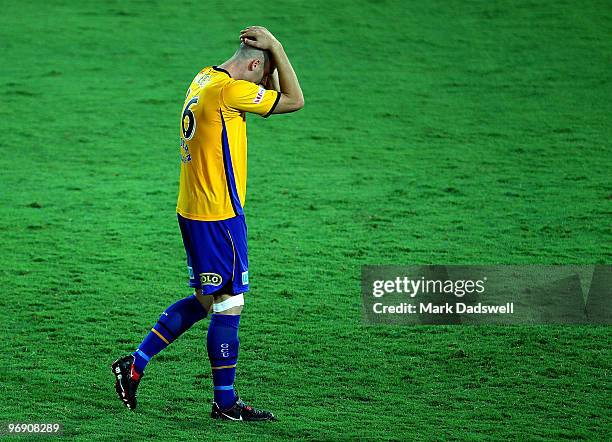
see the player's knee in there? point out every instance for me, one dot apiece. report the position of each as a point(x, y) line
point(226, 304)
point(181, 315)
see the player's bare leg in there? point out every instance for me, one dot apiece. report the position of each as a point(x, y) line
point(206, 301)
point(222, 344)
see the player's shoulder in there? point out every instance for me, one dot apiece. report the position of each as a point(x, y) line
point(211, 75)
point(236, 89)
point(237, 85)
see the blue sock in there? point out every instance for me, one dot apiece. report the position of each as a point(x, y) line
point(222, 345)
point(177, 318)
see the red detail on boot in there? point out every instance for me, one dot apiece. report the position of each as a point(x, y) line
point(133, 373)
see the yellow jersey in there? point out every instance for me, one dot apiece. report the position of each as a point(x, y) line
point(213, 143)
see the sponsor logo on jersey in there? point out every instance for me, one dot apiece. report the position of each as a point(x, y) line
point(245, 278)
point(259, 96)
point(202, 79)
point(211, 279)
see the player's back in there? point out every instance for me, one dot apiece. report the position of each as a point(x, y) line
point(214, 143)
point(203, 191)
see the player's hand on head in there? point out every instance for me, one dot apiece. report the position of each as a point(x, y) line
point(258, 37)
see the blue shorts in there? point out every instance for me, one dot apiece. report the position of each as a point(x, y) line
point(217, 255)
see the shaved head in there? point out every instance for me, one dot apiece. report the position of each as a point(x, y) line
point(249, 53)
point(249, 63)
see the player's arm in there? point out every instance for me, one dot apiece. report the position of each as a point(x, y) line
point(245, 96)
point(272, 81)
point(291, 96)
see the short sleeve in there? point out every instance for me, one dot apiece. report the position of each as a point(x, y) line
point(245, 96)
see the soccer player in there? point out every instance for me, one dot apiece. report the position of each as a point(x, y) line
point(258, 79)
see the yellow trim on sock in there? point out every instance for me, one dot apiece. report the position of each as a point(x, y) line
point(160, 336)
point(223, 366)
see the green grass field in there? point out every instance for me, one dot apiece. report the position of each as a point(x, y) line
point(442, 132)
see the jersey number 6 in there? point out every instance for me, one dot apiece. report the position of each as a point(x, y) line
point(188, 119)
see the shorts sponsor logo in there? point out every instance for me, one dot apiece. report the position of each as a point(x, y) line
point(190, 270)
point(245, 278)
point(259, 96)
point(211, 279)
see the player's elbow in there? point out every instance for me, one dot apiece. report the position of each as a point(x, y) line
point(296, 101)
point(299, 103)
point(288, 104)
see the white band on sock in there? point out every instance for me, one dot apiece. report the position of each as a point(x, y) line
point(234, 301)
